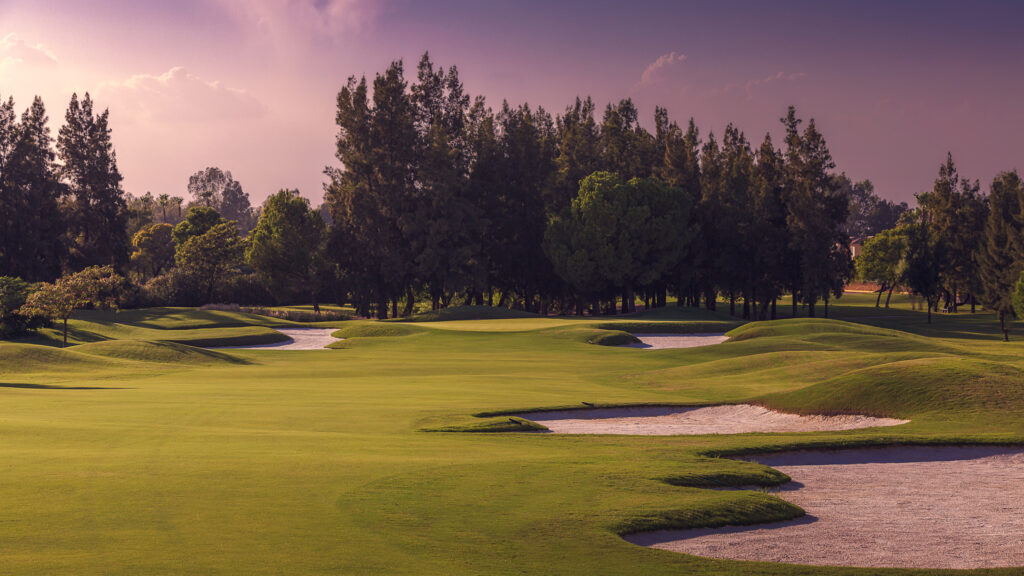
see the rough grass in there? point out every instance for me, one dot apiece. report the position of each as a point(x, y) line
point(312, 463)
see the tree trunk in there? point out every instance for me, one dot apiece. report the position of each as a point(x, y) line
point(810, 307)
point(929, 304)
point(826, 306)
point(879, 299)
point(382, 308)
point(65, 344)
point(794, 303)
point(316, 305)
point(774, 300)
point(972, 303)
point(1002, 326)
point(889, 295)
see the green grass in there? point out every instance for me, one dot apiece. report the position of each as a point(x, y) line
point(131, 454)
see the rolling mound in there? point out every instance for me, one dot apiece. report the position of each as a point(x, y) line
point(909, 387)
point(16, 357)
point(671, 327)
point(160, 352)
point(376, 330)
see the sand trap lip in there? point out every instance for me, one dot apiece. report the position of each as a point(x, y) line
point(901, 507)
point(666, 341)
point(671, 420)
point(299, 339)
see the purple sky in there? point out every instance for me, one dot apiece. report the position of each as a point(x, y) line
point(249, 85)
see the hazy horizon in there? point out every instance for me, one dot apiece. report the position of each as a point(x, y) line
point(250, 86)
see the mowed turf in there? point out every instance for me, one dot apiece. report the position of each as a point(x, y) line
point(135, 454)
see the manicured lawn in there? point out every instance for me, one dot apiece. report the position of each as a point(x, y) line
point(141, 457)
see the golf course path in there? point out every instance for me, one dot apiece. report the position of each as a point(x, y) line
point(670, 420)
point(300, 339)
point(665, 341)
point(908, 507)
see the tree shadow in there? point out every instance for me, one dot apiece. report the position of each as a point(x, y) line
point(56, 387)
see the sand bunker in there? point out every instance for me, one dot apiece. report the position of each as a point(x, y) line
point(908, 507)
point(669, 420)
point(300, 339)
point(663, 341)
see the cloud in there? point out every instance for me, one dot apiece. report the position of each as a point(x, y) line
point(753, 85)
point(281, 18)
point(14, 50)
point(178, 95)
point(654, 71)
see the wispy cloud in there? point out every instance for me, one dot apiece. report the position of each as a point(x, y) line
point(655, 70)
point(14, 50)
point(178, 95)
point(752, 85)
point(321, 17)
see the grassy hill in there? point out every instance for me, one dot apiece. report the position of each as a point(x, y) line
point(134, 453)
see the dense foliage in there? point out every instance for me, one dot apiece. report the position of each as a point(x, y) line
point(440, 198)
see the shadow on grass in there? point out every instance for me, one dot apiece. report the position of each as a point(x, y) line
point(55, 387)
point(662, 536)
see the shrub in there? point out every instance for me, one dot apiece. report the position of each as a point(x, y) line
point(13, 294)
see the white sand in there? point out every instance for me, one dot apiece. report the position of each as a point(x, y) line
point(669, 420)
point(299, 339)
point(664, 341)
point(923, 507)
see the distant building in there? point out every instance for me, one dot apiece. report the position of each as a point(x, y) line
point(857, 243)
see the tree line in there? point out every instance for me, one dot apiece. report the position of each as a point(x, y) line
point(958, 247)
point(440, 198)
point(439, 194)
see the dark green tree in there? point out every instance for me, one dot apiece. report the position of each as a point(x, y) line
point(1001, 257)
point(286, 247)
point(97, 207)
point(31, 225)
point(816, 213)
point(199, 221)
point(883, 260)
point(152, 250)
point(621, 235)
point(212, 256)
point(869, 214)
point(217, 189)
point(95, 286)
point(957, 212)
point(372, 198)
point(924, 260)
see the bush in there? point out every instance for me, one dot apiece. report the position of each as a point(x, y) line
point(13, 294)
point(292, 315)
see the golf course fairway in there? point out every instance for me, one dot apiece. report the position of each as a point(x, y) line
point(137, 451)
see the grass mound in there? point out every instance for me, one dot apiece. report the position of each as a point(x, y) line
point(376, 330)
point(16, 357)
point(176, 318)
point(667, 327)
point(729, 473)
point(910, 387)
point(214, 337)
point(607, 337)
point(466, 313)
point(160, 352)
point(802, 327)
point(493, 425)
point(721, 509)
